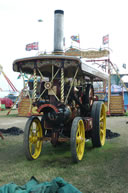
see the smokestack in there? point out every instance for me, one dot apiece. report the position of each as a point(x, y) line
point(58, 31)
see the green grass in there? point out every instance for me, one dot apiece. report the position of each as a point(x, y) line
point(126, 113)
point(13, 113)
point(102, 170)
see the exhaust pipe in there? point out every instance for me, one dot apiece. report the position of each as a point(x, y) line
point(58, 31)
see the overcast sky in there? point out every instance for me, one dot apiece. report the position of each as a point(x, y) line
point(91, 19)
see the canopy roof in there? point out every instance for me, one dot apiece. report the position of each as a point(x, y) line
point(70, 63)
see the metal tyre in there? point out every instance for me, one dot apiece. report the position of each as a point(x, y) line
point(77, 139)
point(33, 138)
point(99, 124)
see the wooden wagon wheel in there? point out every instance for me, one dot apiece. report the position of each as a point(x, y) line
point(33, 135)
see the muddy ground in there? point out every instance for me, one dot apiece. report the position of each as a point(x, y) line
point(115, 124)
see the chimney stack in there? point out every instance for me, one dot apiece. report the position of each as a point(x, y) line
point(58, 31)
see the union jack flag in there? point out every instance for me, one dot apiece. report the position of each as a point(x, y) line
point(106, 39)
point(32, 46)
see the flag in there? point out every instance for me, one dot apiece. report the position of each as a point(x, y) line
point(76, 38)
point(106, 39)
point(32, 46)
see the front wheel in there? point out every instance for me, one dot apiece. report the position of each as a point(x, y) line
point(77, 139)
point(33, 136)
point(99, 124)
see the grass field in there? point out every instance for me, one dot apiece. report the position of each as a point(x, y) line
point(13, 112)
point(103, 170)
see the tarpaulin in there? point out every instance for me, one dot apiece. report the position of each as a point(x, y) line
point(57, 185)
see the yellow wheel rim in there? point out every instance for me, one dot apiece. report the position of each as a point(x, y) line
point(35, 139)
point(102, 125)
point(80, 140)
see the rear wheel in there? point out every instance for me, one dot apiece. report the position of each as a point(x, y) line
point(33, 135)
point(77, 139)
point(99, 124)
point(89, 96)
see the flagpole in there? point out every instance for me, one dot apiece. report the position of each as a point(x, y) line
point(109, 80)
point(79, 40)
point(106, 41)
point(76, 39)
point(39, 21)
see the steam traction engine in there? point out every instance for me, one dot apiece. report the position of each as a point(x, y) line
point(65, 102)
